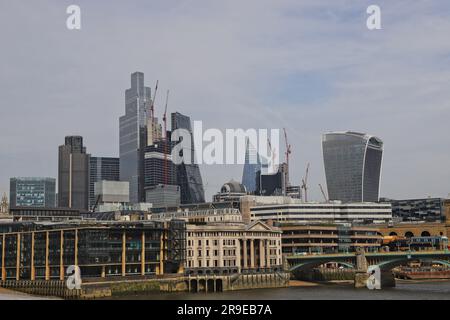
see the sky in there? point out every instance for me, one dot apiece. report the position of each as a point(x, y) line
point(311, 66)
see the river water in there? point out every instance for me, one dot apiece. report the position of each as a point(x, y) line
point(405, 290)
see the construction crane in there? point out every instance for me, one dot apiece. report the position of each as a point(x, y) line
point(151, 125)
point(323, 193)
point(305, 183)
point(96, 203)
point(152, 106)
point(166, 141)
point(287, 153)
point(272, 151)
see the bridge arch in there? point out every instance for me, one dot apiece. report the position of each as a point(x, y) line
point(425, 234)
point(393, 233)
point(349, 262)
point(391, 264)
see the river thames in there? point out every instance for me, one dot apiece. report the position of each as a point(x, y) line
point(405, 290)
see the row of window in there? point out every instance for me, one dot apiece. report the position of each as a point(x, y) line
point(212, 263)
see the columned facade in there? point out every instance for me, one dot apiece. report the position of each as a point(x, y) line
point(236, 248)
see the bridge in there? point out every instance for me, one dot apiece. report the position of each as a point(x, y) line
point(360, 261)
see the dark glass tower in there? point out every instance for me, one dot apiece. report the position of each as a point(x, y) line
point(154, 165)
point(352, 166)
point(133, 136)
point(251, 167)
point(101, 168)
point(188, 175)
point(73, 174)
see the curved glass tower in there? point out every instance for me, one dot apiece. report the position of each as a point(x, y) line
point(188, 175)
point(352, 163)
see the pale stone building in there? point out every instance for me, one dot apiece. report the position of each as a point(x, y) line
point(227, 248)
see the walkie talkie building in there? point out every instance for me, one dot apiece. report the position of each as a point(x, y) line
point(352, 163)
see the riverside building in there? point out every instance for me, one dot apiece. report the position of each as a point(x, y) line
point(220, 243)
point(101, 250)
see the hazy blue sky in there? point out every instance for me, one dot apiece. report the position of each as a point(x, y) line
point(310, 66)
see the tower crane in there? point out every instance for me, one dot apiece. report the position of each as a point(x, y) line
point(323, 193)
point(152, 106)
point(287, 153)
point(151, 125)
point(305, 183)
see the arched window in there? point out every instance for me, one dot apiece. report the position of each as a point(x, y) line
point(425, 234)
point(409, 234)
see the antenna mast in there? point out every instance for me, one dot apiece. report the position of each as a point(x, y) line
point(166, 140)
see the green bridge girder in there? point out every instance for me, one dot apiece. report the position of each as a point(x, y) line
point(386, 260)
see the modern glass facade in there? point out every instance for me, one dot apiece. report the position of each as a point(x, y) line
point(109, 249)
point(101, 168)
point(32, 192)
point(188, 175)
point(352, 163)
point(132, 135)
point(154, 160)
point(251, 167)
point(418, 210)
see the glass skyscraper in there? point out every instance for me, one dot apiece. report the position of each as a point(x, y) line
point(352, 163)
point(32, 192)
point(188, 175)
point(251, 167)
point(101, 168)
point(133, 135)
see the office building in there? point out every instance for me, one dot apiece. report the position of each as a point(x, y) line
point(202, 213)
point(158, 165)
point(73, 174)
point(328, 239)
point(285, 209)
point(352, 163)
point(101, 169)
point(188, 175)
point(271, 184)
point(232, 248)
point(133, 135)
point(100, 249)
point(163, 195)
point(410, 210)
point(251, 166)
point(112, 191)
point(32, 192)
point(45, 214)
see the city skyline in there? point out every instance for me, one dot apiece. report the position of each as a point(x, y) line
point(396, 80)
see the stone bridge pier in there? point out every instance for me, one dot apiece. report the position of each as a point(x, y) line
point(387, 279)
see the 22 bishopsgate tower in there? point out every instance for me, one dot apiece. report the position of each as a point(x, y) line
point(132, 135)
point(352, 166)
point(142, 159)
